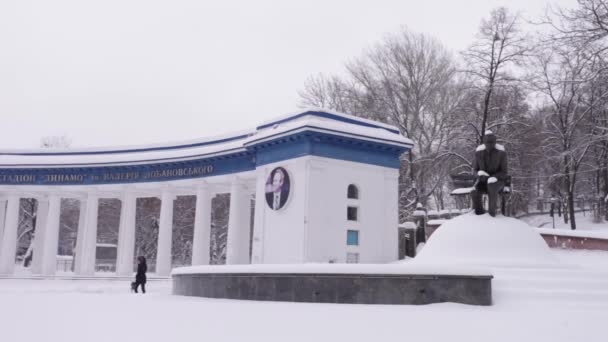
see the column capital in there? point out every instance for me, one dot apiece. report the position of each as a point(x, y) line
point(95, 191)
point(12, 195)
point(239, 182)
point(168, 196)
point(43, 199)
point(53, 196)
point(202, 185)
point(92, 194)
point(128, 192)
point(167, 191)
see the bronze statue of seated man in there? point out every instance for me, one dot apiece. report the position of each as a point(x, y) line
point(490, 167)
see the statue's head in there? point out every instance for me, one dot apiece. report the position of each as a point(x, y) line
point(489, 140)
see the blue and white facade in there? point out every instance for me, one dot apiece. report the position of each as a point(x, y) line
point(337, 176)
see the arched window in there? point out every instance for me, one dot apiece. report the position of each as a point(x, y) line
point(353, 192)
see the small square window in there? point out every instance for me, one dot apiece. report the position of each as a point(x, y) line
point(352, 238)
point(352, 213)
point(352, 258)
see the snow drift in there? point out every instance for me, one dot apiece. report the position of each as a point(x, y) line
point(487, 241)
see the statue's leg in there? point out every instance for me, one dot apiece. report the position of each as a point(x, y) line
point(477, 205)
point(493, 189)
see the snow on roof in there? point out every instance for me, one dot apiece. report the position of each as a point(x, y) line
point(483, 240)
point(313, 110)
point(321, 124)
point(135, 157)
point(334, 123)
point(488, 132)
point(131, 148)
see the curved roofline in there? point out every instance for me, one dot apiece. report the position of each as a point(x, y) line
point(130, 149)
point(318, 112)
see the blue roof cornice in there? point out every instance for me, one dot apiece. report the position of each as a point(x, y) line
point(336, 117)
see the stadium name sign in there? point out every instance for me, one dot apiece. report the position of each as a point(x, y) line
point(92, 176)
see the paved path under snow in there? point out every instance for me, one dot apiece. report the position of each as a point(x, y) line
point(530, 305)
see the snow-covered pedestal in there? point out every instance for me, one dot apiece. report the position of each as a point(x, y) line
point(487, 241)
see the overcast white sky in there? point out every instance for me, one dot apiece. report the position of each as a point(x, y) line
point(130, 72)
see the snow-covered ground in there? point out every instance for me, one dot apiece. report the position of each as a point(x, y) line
point(530, 305)
point(542, 295)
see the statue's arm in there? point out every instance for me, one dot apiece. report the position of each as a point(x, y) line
point(503, 170)
point(475, 164)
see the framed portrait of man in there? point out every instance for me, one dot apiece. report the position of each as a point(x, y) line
point(277, 188)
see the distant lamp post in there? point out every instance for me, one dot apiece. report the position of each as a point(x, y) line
point(552, 211)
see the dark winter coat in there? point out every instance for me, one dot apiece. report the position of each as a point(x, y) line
point(492, 162)
point(140, 277)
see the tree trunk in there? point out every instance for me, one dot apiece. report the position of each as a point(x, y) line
point(605, 177)
point(413, 177)
point(571, 210)
point(569, 198)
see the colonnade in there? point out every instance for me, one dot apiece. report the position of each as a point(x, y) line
point(46, 238)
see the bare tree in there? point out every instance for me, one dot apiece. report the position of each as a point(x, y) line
point(499, 46)
point(584, 24)
point(408, 80)
point(563, 75)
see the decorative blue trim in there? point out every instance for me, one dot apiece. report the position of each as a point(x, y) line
point(328, 146)
point(199, 168)
point(323, 144)
point(253, 142)
point(329, 116)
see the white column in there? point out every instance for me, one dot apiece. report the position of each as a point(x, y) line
point(202, 227)
point(78, 250)
point(126, 235)
point(87, 236)
point(237, 246)
point(51, 236)
point(2, 216)
point(165, 234)
point(257, 248)
point(8, 245)
point(42, 213)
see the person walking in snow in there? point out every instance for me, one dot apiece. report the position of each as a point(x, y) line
point(140, 277)
point(490, 167)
